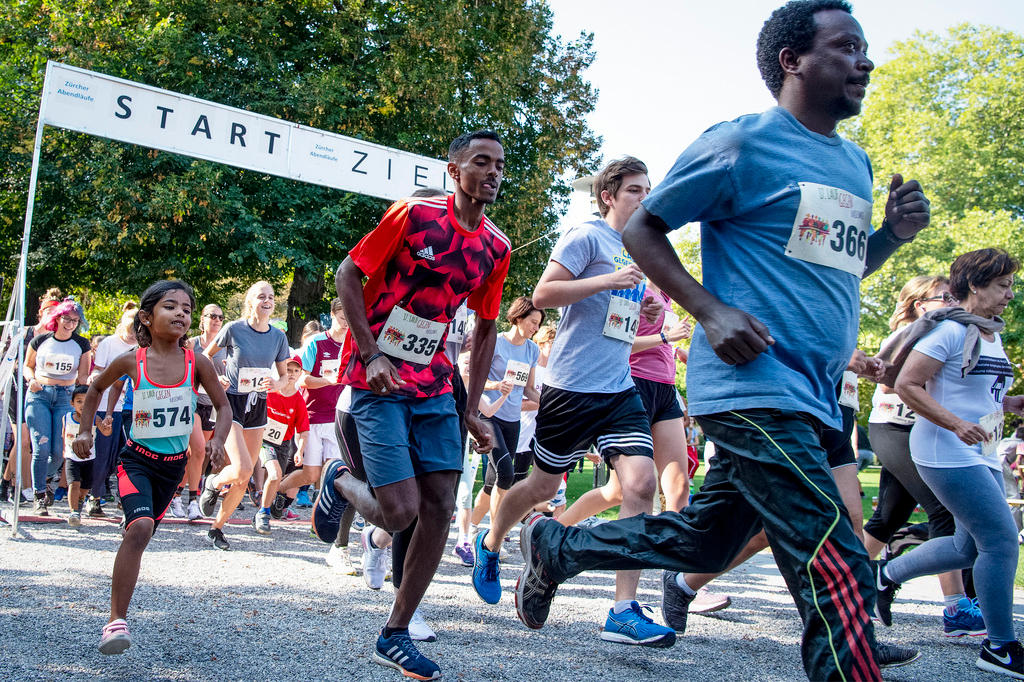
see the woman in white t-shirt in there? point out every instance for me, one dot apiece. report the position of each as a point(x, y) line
point(107, 447)
point(956, 379)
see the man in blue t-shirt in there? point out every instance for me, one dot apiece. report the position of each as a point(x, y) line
point(588, 397)
point(785, 211)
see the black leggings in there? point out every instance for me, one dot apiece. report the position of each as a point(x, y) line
point(501, 468)
point(523, 461)
point(892, 447)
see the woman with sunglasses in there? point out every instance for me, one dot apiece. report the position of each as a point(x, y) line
point(900, 487)
point(55, 361)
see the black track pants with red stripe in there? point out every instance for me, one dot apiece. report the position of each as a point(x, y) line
point(770, 471)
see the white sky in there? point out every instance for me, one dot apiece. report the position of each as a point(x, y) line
point(668, 69)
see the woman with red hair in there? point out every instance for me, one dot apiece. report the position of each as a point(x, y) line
point(55, 361)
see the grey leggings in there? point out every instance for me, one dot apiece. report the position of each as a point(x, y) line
point(985, 538)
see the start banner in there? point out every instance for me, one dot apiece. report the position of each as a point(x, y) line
point(101, 105)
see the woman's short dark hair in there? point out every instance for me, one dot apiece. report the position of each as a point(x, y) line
point(150, 297)
point(520, 308)
point(978, 268)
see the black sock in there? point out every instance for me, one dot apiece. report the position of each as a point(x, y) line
point(192, 494)
point(288, 501)
point(390, 631)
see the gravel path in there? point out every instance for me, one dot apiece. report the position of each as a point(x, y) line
point(271, 609)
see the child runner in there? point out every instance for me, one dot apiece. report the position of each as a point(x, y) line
point(79, 470)
point(165, 374)
point(286, 419)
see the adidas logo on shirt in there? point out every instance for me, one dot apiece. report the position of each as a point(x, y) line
point(427, 253)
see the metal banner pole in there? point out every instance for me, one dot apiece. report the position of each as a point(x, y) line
point(22, 280)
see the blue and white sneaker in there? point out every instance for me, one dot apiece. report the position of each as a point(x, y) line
point(632, 626)
point(329, 504)
point(486, 570)
point(302, 499)
point(967, 620)
point(398, 652)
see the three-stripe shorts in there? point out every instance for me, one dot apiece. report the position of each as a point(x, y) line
point(569, 423)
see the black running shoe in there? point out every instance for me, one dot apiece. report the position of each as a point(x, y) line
point(534, 589)
point(208, 500)
point(893, 656)
point(329, 504)
point(1006, 660)
point(277, 507)
point(5, 490)
point(887, 590)
point(217, 539)
point(675, 603)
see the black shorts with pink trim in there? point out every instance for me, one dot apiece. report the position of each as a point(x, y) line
point(147, 481)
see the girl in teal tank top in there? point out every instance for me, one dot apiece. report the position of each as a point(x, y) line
point(166, 375)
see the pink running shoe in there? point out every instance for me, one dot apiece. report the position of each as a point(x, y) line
point(707, 601)
point(289, 515)
point(116, 637)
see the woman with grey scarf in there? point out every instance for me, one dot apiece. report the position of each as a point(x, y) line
point(955, 375)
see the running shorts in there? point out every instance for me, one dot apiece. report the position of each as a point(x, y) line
point(248, 410)
point(147, 482)
point(321, 445)
point(661, 401)
point(568, 423)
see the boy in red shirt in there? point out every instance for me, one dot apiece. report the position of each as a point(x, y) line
point(287, 418)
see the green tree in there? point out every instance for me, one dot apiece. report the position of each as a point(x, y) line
point(410, 74)
point(946, 110)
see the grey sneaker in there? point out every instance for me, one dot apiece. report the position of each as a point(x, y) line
point(39, 509)
point(675, 603)
point(74, 519)
point(261, 522)
point(535, 589)
point(208, 500)
point(893, 656)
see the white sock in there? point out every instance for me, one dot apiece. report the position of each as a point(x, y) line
point(952, 601)
point(463, 539)
point(681, 582)
point(621, 606)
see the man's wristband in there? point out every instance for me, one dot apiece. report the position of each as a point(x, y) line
point(891, 236)
point(378, 354)
point(664, 339)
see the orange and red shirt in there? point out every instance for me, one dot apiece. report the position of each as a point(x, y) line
point(421, 259)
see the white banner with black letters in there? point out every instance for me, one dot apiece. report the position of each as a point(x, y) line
point(101, 105)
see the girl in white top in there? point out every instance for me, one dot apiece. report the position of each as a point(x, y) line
point(107, 447)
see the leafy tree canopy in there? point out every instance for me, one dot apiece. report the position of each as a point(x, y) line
point(410, 74)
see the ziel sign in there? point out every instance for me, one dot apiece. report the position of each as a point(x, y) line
point(118, 109)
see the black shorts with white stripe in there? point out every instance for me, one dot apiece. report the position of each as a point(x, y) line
point(569, 423)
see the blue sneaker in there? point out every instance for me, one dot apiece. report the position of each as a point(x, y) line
point(329, 504)
point(302, 499)
point(632, 626)
point(966, 620)
point(398, 652)
point(60, 494)
point(486, 569)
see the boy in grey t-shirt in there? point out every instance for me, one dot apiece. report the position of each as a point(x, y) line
point(589, 398)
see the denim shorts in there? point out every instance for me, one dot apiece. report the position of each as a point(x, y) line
point(402, 437)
